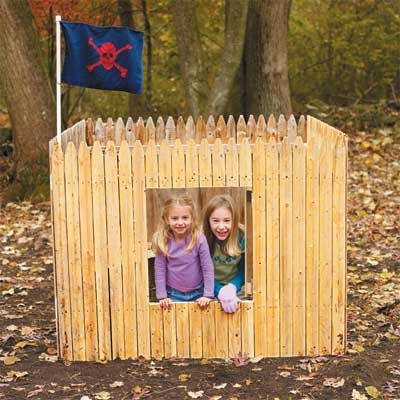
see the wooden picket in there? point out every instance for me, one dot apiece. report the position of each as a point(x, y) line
point(297, 174)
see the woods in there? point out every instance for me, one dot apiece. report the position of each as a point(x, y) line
point(320, 177)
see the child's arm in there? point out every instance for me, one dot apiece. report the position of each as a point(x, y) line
point(207, 267)
point(160, 276)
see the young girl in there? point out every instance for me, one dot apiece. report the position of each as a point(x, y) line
point(183, 267)
point(227, 244)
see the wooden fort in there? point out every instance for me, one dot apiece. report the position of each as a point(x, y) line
point(296, 173)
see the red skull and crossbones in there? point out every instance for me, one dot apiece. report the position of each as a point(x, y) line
point(108, 54)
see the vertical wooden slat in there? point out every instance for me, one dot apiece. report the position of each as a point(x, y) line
point(150, 130)
point(160, 130)
point(170, 130)
point(181, 130)
point(208, 327)
point(89, 132)
point(74, 252)
point(109, 127)
point(195, 328)
point(218, 164)
point(141, 133)
point(127, 250)
point(100, 252)
point(272, 130)
point(164, 166)
point(221, 330)
point(248, 328)
point(205, 164)
point(151, 165)
point(272, 240)
point(200, 130)
point(63, 300)
point(156, 331)
point(178, 165)
point(221, 130)
point(312, 245)
point(232, 163)
point(114, 251)
point(140, 229)
point(192, 165)
point(87, 249)
point(190, 129)
point(282, 127)
point(169, 321)
point(301, 128)
point(251, 129)
point(325, 251)
point(130, 130)
point(99, 131)
point(291, 129)
point(235, 333)
point(120, 132)
point(231, 128)
point(210, 130)
point(182, 330)
point(241, 129)
point(245, 172)
point(261, 129)
point(299, 236)
point(286, 248)
point(259, 250)
point(339, 249)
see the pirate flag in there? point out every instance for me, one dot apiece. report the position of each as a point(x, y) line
point(107, 58)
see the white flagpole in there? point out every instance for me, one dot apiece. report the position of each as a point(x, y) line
point(58, 76)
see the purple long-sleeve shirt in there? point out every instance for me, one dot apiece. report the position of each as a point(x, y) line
point(183, 270)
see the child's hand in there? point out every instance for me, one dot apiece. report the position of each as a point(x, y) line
point(166, 303)
point(203, 301)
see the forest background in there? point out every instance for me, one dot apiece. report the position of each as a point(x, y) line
point(341, 59)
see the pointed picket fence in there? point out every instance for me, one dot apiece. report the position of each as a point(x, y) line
point(297, 174)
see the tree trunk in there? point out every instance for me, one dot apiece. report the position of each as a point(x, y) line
point(190, 55)
point(136, 106)
point(266, 61)
point(235, 28)
point(28, 95)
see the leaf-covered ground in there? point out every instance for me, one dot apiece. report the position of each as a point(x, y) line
point(28, 361)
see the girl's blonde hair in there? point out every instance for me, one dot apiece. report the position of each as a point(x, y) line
point(163, 232)
point(230, 246)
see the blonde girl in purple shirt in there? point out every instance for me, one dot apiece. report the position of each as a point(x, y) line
point(183, 267)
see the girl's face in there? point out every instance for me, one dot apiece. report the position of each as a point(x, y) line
point(221, 223)
point(180, 221)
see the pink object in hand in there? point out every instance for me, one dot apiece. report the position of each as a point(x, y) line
point(227, 297)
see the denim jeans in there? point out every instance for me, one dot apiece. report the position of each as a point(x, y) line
point(177, 295)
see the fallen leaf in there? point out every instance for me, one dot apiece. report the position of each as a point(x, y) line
point(221, 386)
point(102, 395)
point(285, 374)
point(10, 360)
point(334, 382)
point(255, 360)
point(372, 391)
point(17, 374)
point(356, 395)
point(196, 395)
point(116, 384)
point(184, 377)
point(248, 382)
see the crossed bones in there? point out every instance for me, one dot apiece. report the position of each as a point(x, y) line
point(108, 54)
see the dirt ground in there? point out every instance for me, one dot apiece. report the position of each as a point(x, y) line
point(371, 369)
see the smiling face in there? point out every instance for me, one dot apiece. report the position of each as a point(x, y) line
point(221, 223)
point(180, 221)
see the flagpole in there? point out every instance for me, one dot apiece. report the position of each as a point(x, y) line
point(58, 76)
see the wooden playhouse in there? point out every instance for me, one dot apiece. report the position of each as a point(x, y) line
point(296, 173)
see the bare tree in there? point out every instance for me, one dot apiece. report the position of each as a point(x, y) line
point(28, 95)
